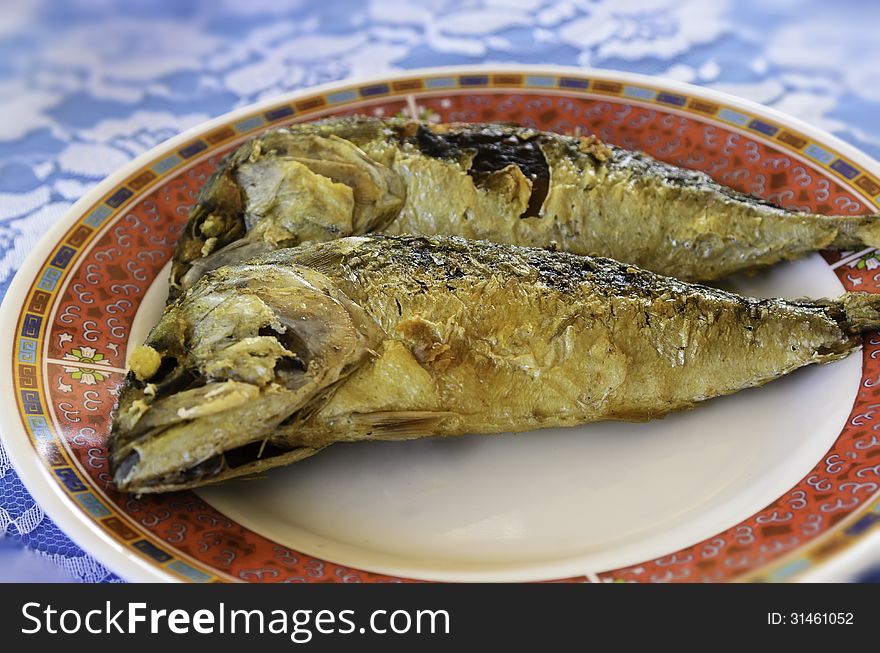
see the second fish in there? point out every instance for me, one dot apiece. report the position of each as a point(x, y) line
point(352, 176)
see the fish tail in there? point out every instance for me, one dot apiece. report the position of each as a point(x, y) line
point(857, 231)
point(861, 312)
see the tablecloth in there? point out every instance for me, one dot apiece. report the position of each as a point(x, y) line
point(86, 85)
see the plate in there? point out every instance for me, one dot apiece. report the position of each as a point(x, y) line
point(774, 484)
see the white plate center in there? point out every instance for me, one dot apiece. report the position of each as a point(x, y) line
point(554, 503)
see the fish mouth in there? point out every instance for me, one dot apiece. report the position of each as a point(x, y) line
point(248, 349)
point(247, 459)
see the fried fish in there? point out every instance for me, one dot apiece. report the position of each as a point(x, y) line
point(352, 176)
point(268, 361)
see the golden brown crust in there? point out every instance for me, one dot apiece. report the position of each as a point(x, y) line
point(402, 337)
point(494, 182)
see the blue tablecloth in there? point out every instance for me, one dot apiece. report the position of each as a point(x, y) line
point(86, 85)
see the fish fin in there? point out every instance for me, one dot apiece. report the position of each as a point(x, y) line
point(402, 424)
point(869, 231)
point(855, 231)
point(861, 312)
point(322, 259)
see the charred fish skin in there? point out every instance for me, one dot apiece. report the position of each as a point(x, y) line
point(383, 337)
point(350, 176)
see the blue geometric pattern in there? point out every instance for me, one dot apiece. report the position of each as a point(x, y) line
point(89, 85)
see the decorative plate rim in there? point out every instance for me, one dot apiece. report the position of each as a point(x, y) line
point(86, 533)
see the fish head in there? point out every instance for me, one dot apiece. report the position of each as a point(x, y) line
point(247, 348)
point(284, 188)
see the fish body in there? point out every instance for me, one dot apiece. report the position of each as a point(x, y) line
point(351, 176)
point(268, 361)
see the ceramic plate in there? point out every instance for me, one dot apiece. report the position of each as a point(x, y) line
point(777, 483)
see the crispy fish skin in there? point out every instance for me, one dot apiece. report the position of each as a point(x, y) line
point(351, 176)
point(384, 337)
